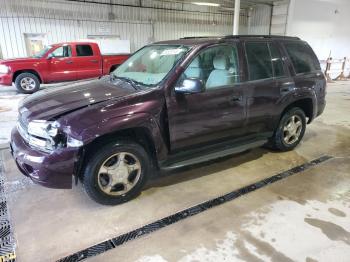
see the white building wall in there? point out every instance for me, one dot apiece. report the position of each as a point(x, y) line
point(259, 20)
point(324, 24)
point(68, 21)
point(279, 17)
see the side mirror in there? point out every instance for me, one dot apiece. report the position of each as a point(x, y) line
point(190, 86)
point(49, 56)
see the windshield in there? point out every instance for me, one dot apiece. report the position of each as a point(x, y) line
point(151, 64)
point(42, 52)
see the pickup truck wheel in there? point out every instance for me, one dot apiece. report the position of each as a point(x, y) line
point(27, 83)
point(290, 130)
point(116, 173)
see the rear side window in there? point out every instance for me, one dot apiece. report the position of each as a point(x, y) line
point(84, 50)
point(303, 58)
point(259, 60)
point(276, 61)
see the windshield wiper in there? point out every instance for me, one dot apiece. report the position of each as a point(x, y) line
point(129, 80)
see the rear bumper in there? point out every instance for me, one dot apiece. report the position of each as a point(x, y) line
point(6, 79)
point(52, 170)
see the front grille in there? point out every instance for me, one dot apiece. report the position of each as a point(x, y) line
point(22, 128)
point(23, 132)
point(22, 122)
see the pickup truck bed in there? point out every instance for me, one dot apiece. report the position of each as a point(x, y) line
point(58, 63)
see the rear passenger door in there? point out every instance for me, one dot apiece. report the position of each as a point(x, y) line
point(88, 60)
point(267, 76)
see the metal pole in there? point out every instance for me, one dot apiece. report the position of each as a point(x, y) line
point(236, 17)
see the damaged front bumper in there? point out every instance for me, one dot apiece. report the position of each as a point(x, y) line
point(54, 169)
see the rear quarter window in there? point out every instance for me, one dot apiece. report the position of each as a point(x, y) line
point(302, 57)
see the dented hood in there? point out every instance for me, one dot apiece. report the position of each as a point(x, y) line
point(56, 101)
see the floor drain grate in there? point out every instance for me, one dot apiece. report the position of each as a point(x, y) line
point(167, 221)
point(7, 243)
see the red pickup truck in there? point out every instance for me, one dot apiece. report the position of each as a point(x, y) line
point(58, 63)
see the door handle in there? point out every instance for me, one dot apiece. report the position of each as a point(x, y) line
point(287, 87)
point(69, 62)
point(236, 98)
point(94, 61)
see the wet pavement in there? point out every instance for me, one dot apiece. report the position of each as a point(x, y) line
point(304, 217)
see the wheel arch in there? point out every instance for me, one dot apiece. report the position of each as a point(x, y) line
point(305, 104)
point(113, 67)
point(140, 135)
point(32, 71)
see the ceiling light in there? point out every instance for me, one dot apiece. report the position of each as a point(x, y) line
point(205, 3)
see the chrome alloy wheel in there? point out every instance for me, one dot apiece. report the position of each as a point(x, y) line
point(27, 83)
point(292, 129)
point(119, 173)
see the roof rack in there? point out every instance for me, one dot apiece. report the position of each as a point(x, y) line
point(262, 36)
point(194, 37)
point(243, 36)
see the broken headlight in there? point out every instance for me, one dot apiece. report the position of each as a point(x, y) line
point(43, 128)
point(46, 136)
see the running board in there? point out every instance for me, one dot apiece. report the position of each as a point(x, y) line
point(214, 155)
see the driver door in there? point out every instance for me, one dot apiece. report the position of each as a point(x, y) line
point(61, 66)
point(218, 112)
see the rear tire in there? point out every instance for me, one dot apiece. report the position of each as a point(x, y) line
point(290, 130)
point(27, 83)
point(117, 172)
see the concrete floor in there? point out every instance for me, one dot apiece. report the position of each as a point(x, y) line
point(301, 218)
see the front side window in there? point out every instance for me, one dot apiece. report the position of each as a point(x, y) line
point(259, 60)
point(84, 50)
point(303, 58)
point(150, 65)
point(62, 51)
point(215, 67)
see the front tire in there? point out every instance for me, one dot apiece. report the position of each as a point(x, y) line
point(290, 130)
point(27, 83)
point(117, 172)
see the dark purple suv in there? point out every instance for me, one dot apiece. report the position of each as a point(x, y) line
point(171, 104)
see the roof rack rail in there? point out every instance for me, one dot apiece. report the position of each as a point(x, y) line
point(194, 37)
point(262, 36)
point(243, 36)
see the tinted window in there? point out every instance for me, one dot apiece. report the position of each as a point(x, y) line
point(63, 51)
point(303, 58)
point(216, 67)
point(84, 50)
point(259, 61)
point(276, 61)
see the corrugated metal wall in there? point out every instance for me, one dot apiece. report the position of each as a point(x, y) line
point(279, 17)
point(68, 20)
point(260, 18)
